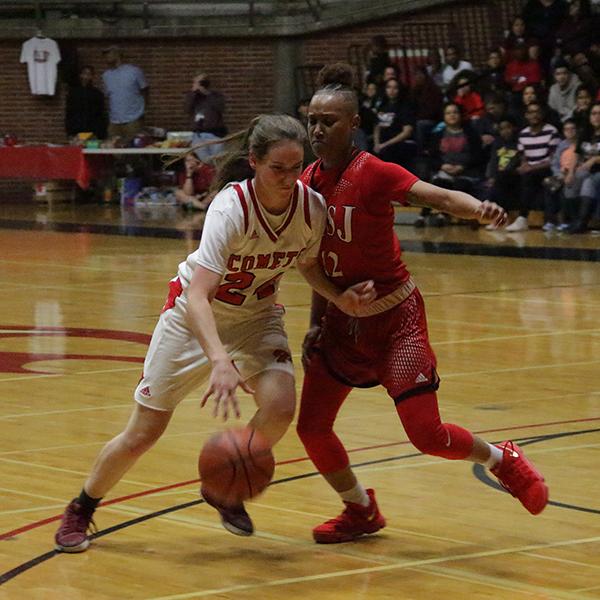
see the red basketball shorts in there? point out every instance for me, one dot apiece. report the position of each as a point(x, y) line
point(391, 349)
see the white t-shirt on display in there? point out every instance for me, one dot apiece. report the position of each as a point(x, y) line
point(41, 55)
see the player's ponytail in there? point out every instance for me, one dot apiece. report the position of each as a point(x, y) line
point(262, 133)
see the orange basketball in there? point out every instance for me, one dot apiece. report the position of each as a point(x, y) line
point(235, 465)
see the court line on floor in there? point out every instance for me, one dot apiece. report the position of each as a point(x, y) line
point(508, 586)
point(524, 300)
point(387, 568)
point(7, 576)
point(40, 523)
point(517, 337)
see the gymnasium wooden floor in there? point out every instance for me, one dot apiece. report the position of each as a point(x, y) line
point(515, 321)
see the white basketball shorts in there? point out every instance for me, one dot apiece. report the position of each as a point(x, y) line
point(175, 363)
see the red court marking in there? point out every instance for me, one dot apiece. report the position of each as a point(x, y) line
point(172, 486)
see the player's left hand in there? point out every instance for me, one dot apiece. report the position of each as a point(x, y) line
point(490, 212)
point(356, 298)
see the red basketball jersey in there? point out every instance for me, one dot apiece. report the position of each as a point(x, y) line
point(359, 242)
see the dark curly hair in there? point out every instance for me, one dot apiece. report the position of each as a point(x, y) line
point(338, 78)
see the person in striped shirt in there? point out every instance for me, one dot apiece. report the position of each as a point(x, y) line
point(537, 143)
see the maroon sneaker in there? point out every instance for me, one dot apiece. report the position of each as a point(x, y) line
point(234, 518)
point(72, 533)
point(356, 520)
point(519, 477)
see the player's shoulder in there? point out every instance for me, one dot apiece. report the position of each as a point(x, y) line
point(310, 196)
point(313, 205)
point(231, 202)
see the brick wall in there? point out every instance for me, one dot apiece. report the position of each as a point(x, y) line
point(241, 68)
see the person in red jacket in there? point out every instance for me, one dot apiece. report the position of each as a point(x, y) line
point(521, 70)
point(389, 343)
point(468, 100)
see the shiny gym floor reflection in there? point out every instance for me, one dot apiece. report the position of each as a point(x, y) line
point(518, 344)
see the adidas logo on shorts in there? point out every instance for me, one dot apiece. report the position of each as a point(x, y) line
point(145, 391)
point(421, 378)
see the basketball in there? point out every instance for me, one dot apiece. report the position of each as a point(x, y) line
point(236, 465)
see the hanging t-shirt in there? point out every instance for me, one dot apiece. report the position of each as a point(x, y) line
point(41, 55)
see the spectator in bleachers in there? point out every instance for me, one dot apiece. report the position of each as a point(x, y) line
point(302, 116)
point(588, 173)
point(435, 67)
point(542, 19)
point(582, 66)
point(491, 77)
point(378, 60)
point(593, 56)
point(537, 143)
point(562, 187)
point(126, 88)
point(516, 36)
point(455, 159)
point(563, 91)
point(521, 71)
point(456, 152)
point(575, 34)
point(370, 101)
point(206, 108)
point(428, 100)
point(454, 64)
point(583, 102)
point(501, 174)
point(488, 125)
point(390, 72)
point(469, 101)
point(393, 134)
point(533, 93)
point(194, 184)
point(84, 106)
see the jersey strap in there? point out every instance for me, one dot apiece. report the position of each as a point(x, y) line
point(238, 188)
point(306, 203)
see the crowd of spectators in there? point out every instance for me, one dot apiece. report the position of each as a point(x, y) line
point(523, 129)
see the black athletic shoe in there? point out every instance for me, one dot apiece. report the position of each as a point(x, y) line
point(234, 518)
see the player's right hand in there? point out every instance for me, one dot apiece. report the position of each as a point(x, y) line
point(224, 379)
point(357, 297)
point(309, 344)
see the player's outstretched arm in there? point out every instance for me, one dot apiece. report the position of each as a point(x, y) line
point(224, 377)
point(458, 204)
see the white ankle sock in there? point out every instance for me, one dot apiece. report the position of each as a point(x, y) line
point(357, 495)
point(495, 457)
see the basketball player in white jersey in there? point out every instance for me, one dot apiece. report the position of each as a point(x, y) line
point(221, 316)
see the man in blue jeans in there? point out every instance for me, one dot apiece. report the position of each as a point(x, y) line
point(126, 90)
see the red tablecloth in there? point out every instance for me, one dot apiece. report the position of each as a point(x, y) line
point(45, 162)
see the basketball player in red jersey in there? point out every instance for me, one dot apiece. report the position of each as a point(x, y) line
point(390, 346)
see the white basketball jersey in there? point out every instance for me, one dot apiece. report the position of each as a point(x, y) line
point(241, 243)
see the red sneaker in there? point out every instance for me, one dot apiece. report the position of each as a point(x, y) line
point(356, 520)
point(72, 533)
point(519, 477)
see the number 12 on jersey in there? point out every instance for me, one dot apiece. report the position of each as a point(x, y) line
point(330, 261)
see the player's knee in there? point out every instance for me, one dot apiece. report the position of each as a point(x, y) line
point(282, 414)
point(137, 443)
point(311, 433)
